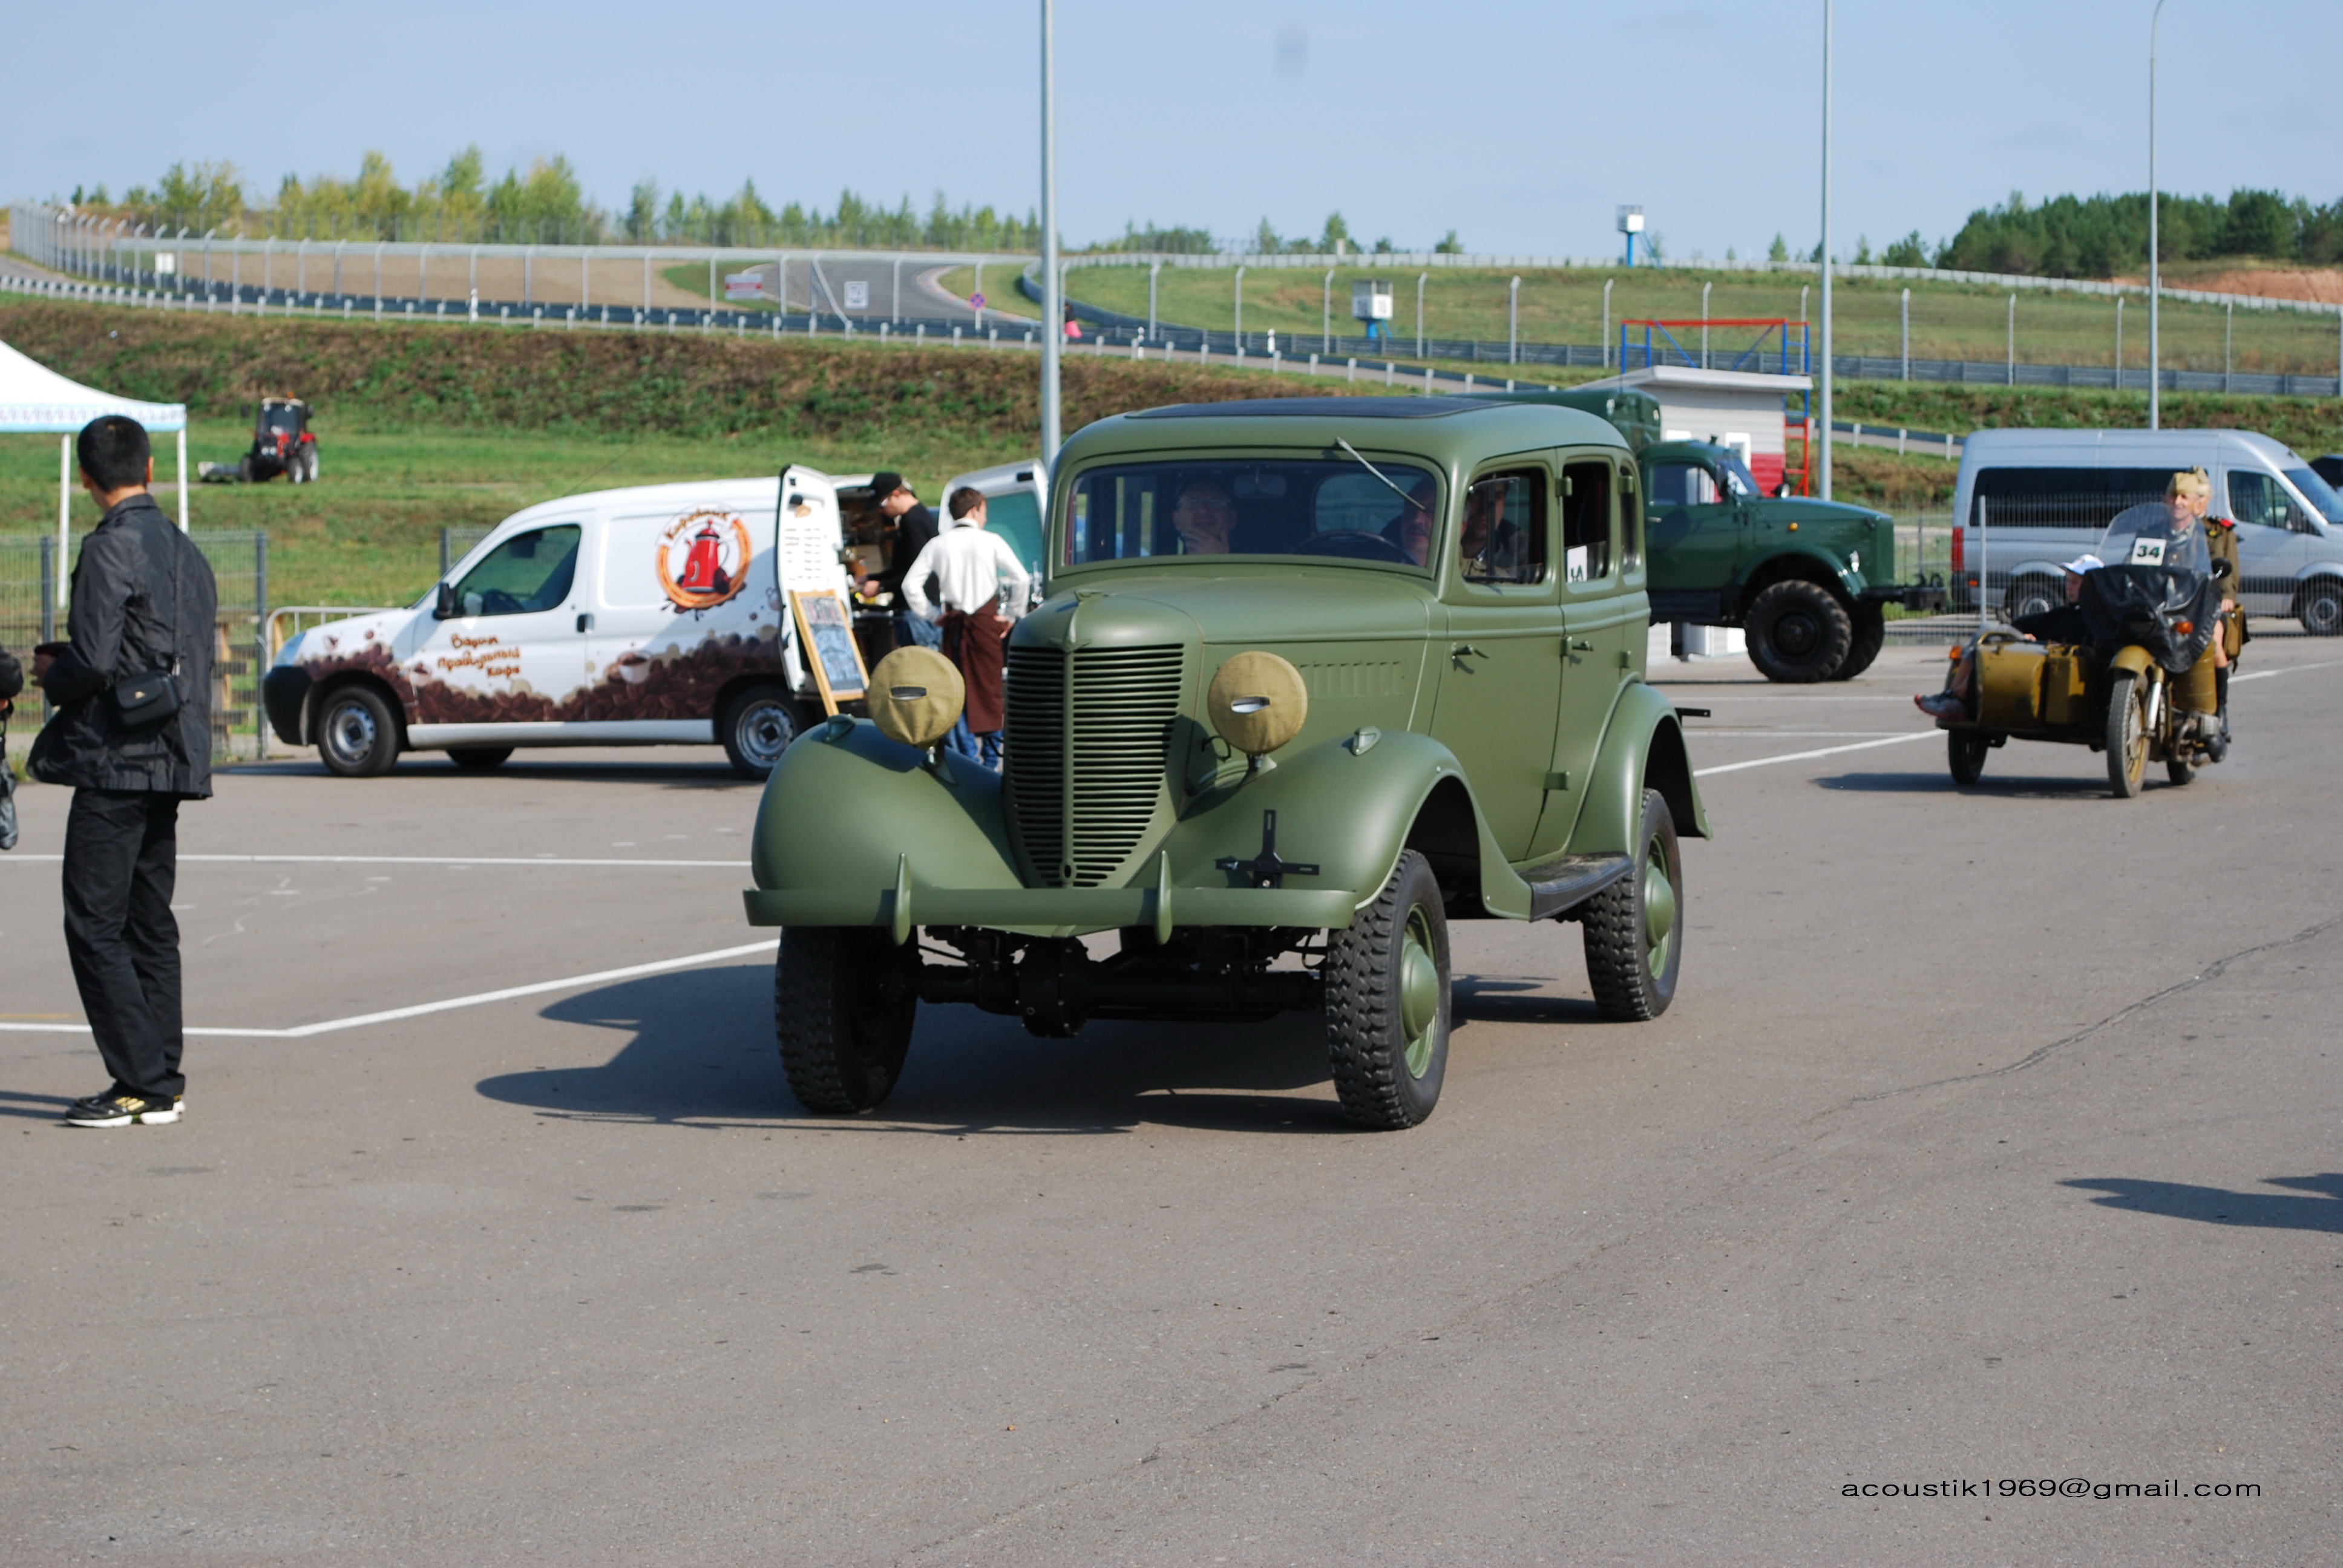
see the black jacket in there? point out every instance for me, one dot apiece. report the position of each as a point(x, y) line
point(124, 623)
point(915, 530)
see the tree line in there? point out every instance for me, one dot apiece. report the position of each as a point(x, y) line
point(543, 205)
point(2102, 235)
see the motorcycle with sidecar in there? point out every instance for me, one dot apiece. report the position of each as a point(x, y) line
point(2150, 615)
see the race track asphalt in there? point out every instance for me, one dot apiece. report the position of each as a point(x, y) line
point(1993, 1136)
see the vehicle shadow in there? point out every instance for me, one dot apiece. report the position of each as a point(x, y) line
point(2006, 787)
point(545, 767)
point(699, 1050)
point(2217, 1206)
point(1502, 999)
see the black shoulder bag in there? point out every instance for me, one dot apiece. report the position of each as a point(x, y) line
point(150, 698)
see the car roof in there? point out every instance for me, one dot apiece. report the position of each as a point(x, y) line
point(1458, 427)
point(2133, 444)
point(732, 492)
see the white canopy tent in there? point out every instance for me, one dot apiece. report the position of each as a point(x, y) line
point(36, 400)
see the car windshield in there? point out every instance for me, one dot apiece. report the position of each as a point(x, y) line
point(1336, 510)
point(2318, 493)
point(2155, 534)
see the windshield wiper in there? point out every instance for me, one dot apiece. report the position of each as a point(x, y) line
point(1378, 473)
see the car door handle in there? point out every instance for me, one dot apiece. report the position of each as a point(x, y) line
point(1580, 644)
point(585, 623)
point(1465, 650)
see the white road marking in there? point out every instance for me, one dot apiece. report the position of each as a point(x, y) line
point(2287, 670)
point(415, 860)
point(334, 1025)
point(1806, 756)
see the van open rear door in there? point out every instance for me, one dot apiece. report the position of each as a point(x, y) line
point(806, 540)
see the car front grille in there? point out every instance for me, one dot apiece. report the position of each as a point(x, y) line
point(1085, 756)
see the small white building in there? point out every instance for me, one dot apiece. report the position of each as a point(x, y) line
point(1744, 411)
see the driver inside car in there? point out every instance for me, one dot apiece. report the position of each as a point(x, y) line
point(1411, 532)
point(1489, 546)
point(1205, 518)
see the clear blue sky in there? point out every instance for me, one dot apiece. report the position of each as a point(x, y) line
point(1521, 126)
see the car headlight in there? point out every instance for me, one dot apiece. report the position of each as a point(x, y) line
point(1258, 703)
point(915, 697)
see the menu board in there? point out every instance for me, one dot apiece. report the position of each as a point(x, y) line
point(826, 634)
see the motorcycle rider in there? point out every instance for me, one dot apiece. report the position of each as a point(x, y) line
point(2221, 539)
point(2200, 692)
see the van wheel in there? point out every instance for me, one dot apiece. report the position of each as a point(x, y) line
point(1870, 623)
point(357, 736)
point(1798, 632)
point(756, 728)
point(844, 1001)
point(1388, 1002)
point(1634, 928)
point(478, 759)
point(2032, 596)
point(2320, 608)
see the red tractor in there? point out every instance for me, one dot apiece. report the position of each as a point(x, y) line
point(282, 443)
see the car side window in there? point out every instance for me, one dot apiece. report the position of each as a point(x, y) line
point(1585, 522)
point(2259, 498)
point(1503, 537)
point(527, 572)
point(1683, 484)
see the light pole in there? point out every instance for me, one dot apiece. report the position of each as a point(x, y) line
point(1326, 318)
point(1420, 279)
point(1514, 320)
point(1239, 311)
point(1823, 467)
point(1606, 323)
point(1053, 326)
point(1907, 335)
point(2155, 345)
point(1154, 271)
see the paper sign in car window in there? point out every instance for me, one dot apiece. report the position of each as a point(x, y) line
point(1573, 563)
point(2148, 552)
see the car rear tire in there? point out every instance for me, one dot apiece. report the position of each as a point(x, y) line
point(1870, 623)
point(1388, 1001)
point(2126, 738)
point(2320, 608)
point(478, 759)
point(1634, 928)
point(844, 1001)
point(1798, 632)
point(755, 727)
point(1965, 751)
point(357, 735)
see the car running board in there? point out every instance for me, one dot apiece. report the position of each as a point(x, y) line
point(1562, 884)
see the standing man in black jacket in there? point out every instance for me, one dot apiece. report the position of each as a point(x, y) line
point(914, 529)
point(144, 603)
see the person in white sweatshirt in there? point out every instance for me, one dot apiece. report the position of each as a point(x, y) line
point(971, 567)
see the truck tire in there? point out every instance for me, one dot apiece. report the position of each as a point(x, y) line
point(1870, 623)
point(844, 1001)
point(358, 736)
point(1798, 632)
point(2320, 608)
point(1634, 928)
point(1388, 1004)
point(478, 759)
point(757, 726)
point(1965, 751)
point(244, 469)
point(2126, 733)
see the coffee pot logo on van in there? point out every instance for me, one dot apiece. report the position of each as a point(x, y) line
point(703, 559)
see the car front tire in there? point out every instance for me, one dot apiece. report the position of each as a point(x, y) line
point(1634, 928)
point(844, 1001)
point(358, 736)
point(1798, 632)
point(1388, 1001)
point(2320, 608)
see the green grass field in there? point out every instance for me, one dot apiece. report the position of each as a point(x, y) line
point(1949, 320)
point(427, 427)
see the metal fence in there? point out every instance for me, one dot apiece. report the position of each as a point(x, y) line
point(29, 614)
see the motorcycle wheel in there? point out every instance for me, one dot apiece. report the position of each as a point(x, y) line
point(2128, 698)
point(2180, 769)
point(1965, 749)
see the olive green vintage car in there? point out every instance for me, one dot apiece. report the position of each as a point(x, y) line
point(1314, 678)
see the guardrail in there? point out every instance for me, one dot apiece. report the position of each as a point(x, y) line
point(288, 621)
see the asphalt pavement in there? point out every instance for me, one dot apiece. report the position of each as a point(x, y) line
point(1992, 1139)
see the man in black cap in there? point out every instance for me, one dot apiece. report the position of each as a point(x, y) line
point(911, 529)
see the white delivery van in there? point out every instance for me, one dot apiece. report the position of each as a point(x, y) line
point(655, 615)
point(1016, 496)
point(2027, 500)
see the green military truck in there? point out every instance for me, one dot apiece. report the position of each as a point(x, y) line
point(1808, 581)
point(1313, 679)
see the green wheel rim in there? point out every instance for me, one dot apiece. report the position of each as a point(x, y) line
point(1419, 991)
point(1659, 908)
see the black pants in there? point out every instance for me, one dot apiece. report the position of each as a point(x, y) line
point(122, 856)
